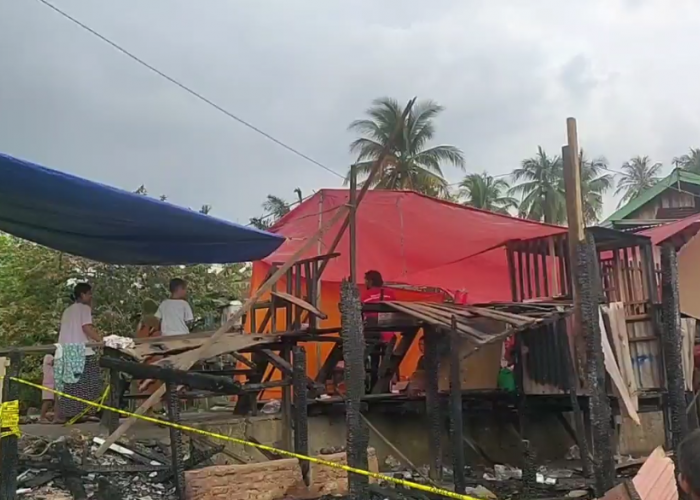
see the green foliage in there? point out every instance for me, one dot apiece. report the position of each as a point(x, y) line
point(638, 174)
point(487, 193)
point(541, 187)
point(690, 161)
point(410, 164)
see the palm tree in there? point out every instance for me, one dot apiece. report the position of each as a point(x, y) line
point(487, 193)
point(541, 188)
point(638, 174)
point(690, 161)
point(275, 206)
point(594, 184)
point(410, 164)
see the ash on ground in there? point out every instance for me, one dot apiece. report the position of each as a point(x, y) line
point(42, 475)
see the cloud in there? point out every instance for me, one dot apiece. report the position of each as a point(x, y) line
point(508, 74)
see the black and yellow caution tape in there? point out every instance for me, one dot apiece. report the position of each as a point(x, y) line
point(319, 461)
point(9, 418)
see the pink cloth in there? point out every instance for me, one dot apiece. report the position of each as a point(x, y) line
point(48, 381)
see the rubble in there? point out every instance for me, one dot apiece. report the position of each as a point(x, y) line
point(45, 475)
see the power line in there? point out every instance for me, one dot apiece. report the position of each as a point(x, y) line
point(189, 90)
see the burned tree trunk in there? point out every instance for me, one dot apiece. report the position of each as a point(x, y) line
point(588, 282)
point(354, 355)
point(671, 340)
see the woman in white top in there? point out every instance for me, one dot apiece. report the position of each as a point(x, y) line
point(78, 372)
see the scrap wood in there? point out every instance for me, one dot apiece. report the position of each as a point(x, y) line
point(506, 317)
point(618, 325)
point(614, 372)
point(204, 350)
point(655, 480)
point(437, 318)
point(299, 302)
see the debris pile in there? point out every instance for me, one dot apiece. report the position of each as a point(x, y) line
point(68, 468)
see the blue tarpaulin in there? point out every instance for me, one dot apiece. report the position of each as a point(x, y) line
point(114, 226)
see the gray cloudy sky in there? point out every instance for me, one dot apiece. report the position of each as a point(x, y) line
point(508, 73)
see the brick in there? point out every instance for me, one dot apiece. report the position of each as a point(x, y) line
point(272, 480)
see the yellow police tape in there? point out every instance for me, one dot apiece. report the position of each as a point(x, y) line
point(375, 475)
point(9, 418)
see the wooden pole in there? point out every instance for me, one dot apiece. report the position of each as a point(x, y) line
point(201, 353)
point(353, 224)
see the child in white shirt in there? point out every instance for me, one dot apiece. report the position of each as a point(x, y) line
point(175, 313)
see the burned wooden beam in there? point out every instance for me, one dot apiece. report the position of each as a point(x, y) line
point(672, 351)
point(285, 367)
point(214, 383)
point(176, 448)
point(432, 402)
point(456, 418)
point(301, 418)
point(70, 478)
point(588, 286)
point(354, 357)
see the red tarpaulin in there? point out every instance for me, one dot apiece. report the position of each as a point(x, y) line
point(414, 239)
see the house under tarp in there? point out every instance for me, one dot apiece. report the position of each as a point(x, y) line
point(411, 239)
point(106, 224)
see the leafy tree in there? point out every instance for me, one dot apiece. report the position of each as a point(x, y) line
point(638, 174)
point(410, 164)
point(487, 193)
point(594, 184)
point(690, 161)
point(541, 188)
point(275, 208)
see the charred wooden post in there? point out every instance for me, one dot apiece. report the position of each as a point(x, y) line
point(579, 423)
point(456, 423)
point(432, 402)
point(110, 420)
point(529, 470)
point(287, 402)
point(353, 355)
point(588, 285)
point(176, 447)
point(70, 476)
point(9, 456)
point(672, 351)
point(352, 225)
point(301, 416)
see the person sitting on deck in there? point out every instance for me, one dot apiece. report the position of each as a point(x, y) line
point(689, 465)
point(376, 292)
point(175, 313)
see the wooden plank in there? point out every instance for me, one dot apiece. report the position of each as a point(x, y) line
point(618, 325)
point(286, 367)
point(443, 319)
point(614, 372)
point(301, 303)
point(225, 345)
point(506, 317)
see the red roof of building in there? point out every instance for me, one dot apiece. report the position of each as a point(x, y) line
point(414, 239)
point(679, 230)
